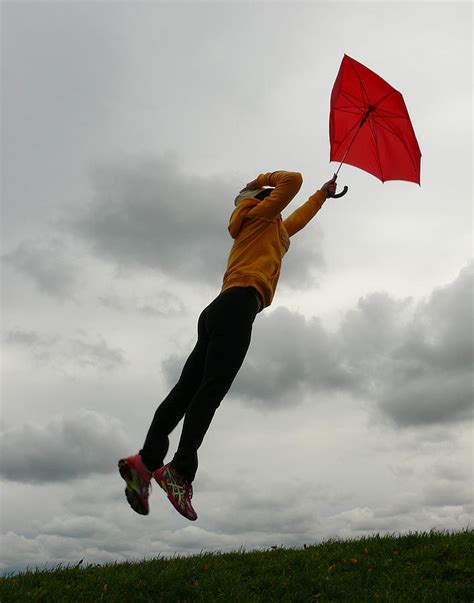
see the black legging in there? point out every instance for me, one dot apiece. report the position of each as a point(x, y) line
point(224, 332)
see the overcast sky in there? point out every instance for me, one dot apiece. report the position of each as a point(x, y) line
point(127, 130)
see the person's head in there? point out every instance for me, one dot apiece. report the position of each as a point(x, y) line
point(259, 194)
point(262, 194)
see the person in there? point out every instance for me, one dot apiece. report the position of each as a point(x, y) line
point(261, 239)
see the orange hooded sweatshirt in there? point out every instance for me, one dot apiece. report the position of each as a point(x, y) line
point(261, 237)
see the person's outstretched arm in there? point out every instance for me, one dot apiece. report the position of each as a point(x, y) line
point(299, 218)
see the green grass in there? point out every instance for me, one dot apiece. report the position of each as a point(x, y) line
point(417, 567)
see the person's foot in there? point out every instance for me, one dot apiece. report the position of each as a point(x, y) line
point(179, 490)
point(138, 480)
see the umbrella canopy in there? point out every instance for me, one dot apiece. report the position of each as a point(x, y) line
point(369, 125)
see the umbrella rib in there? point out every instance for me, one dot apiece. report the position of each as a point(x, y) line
point(362, 87)
point(386, 126)
point(345, 110)
point(352, 99)
point(374, 136)
point(366, 99)
point(346, 137)
point(384, 97)
point(386, 113)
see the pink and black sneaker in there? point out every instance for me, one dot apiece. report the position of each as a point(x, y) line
point(179, 490)
point(138, 480)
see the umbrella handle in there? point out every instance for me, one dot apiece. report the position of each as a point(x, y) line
point(341, 194)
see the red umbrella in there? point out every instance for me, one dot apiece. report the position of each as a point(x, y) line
point(369, 126)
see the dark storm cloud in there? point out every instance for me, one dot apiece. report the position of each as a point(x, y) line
point(413, 360)
point(49, 453)
point(289, 357)
point(429, 377)
point(149, 214)
point(429, 398)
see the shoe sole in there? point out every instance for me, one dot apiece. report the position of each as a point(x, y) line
point(132, 489)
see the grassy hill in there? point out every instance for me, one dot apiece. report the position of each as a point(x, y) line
point(417, 567)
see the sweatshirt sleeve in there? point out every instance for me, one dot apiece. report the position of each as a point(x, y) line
point(287, 185)
point(300, 217)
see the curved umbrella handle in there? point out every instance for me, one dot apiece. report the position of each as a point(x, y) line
point(341, 194)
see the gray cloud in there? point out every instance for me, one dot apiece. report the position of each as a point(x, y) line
point(452, 471)
point(159, 304)
point(429, 398)
point(249, 514)
point(83, 526)
point(289, 357)
point(68, 354)
point(429, 376)
point(409, 511)
point(65, 449)
point(413, 361)
point(369, 331)
point(96, 354)
point(28, 339)
point(151, 215)
point(365, 519)
point(47, 264)
point(442, 494)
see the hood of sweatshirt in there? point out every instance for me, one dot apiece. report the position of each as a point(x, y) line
point(248, 194)
point(239, 214)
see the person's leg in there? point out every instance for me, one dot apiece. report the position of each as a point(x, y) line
point(173, 407)
point(229, 327)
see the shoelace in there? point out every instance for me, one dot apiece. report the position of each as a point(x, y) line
point(184, 484)
point(188, 490)
point(187, 486)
